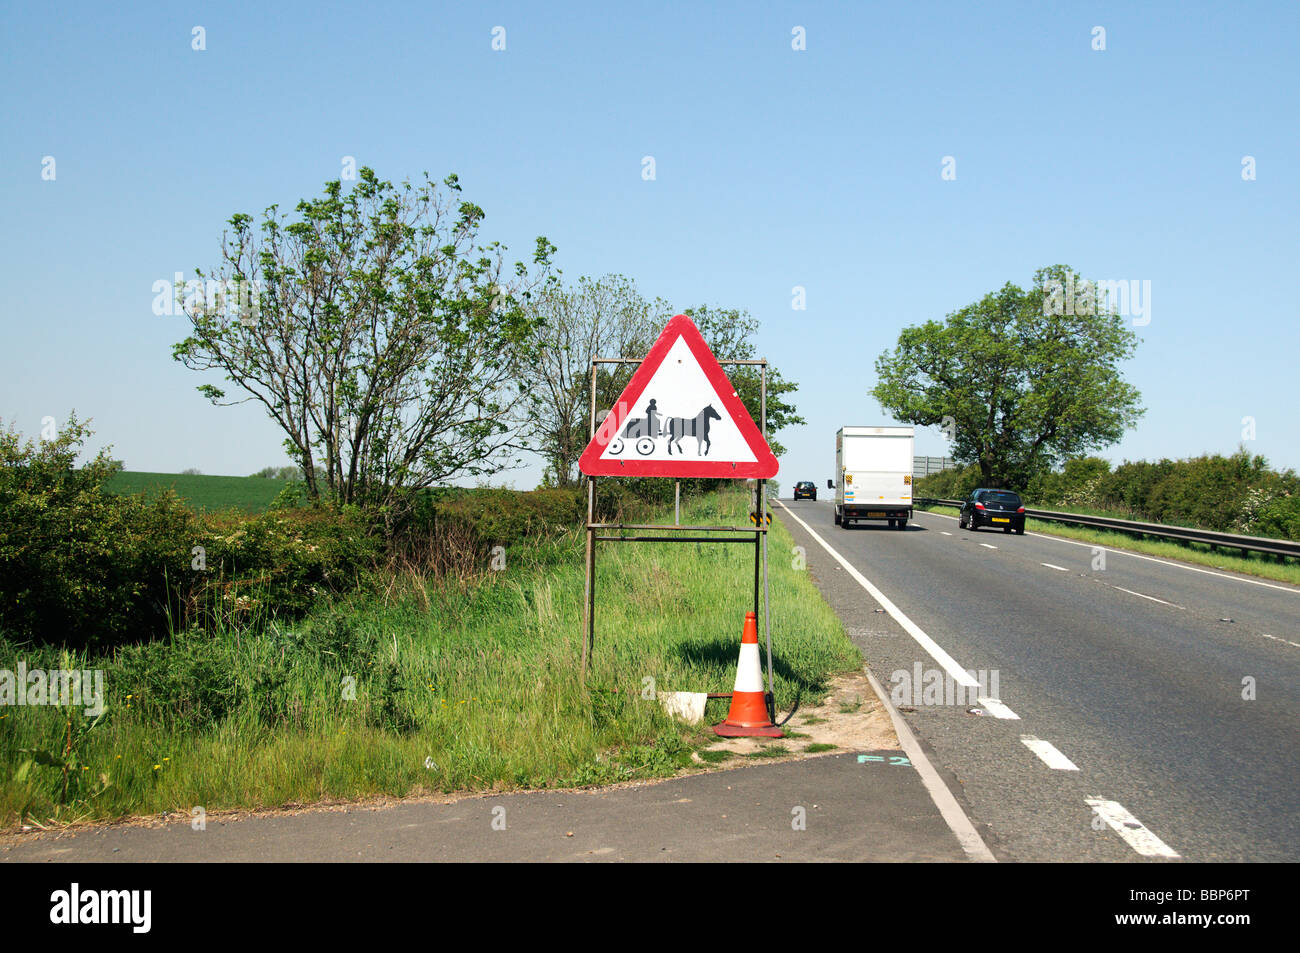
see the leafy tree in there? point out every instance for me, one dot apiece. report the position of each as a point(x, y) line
point(293, 474)
point(1024, 385)
point(730, 335)
point(376, 331)
point(601, 317)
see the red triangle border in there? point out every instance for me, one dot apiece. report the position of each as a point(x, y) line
point(765, 465)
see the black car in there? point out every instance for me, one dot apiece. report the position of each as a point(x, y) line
point(1000, 509)
point(805, 490)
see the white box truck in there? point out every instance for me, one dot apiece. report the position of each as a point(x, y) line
point(873, 475)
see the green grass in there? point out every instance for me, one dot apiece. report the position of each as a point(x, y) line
point(819, 746)
point(716, 757)
point(479, 680)
point(1256, 564)
point(249, 494)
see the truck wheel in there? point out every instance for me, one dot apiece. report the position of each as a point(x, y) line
point(902, 524)
point(837, 517)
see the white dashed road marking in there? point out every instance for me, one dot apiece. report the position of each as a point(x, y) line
point(1142, 596)
point(1057, 568)
point(1048, 754)
point(988, 545)
point(1276, 639)
point(1131, 829)
point(995, 708)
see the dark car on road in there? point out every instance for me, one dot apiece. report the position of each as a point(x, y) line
point(1000, 509)
point(805, 490)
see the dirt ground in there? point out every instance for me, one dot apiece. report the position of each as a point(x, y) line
point(851, 718)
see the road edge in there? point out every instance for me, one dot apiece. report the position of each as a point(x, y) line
point(949, 808)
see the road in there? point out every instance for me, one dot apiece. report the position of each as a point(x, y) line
point(1136, 736)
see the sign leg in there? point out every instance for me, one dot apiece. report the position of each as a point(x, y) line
point(589, 603)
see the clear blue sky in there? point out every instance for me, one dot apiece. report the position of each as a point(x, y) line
point(775, 168)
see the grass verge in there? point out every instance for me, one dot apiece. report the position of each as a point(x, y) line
point(433, 688)
point(1256, 564)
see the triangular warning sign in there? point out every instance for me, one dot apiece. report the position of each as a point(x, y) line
point(679, 416)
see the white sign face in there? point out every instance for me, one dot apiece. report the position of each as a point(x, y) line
point(679, 416)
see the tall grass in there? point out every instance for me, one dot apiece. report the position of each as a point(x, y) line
point(459, 685)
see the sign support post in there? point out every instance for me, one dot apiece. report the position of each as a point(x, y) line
point(735, 460)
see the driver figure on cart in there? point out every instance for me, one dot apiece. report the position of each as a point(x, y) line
point(651, 418)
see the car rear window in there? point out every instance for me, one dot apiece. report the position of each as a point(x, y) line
point(1001, 497)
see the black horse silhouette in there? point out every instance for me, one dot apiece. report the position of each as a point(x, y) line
point(698, 427)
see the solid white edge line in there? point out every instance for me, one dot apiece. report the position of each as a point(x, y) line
point(949, 664)
point(1123, 823)
point(1048, 754)
point(949, 809)
point(1052, 566)
point(995, 708)
point(1150, 559)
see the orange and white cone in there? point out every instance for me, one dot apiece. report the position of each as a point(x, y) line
point(748, 715)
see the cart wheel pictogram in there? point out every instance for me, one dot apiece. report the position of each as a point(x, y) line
point(616, 446)
point(645, 446)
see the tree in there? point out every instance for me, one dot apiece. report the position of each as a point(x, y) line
point(1023, 381)
point(601, 317)
point(730, 336)
point(377, 333)
point(292, 474)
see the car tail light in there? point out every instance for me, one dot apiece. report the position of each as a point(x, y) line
point(979, 506)
point(1021, 510)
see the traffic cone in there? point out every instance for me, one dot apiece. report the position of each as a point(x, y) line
point(748, 715)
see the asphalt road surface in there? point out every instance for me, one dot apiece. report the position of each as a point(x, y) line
point(847, 807)
point(1149, 727)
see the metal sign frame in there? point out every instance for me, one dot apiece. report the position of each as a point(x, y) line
point(616, 532)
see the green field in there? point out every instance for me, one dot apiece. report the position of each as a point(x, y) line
point(463, 685)
point(247, 494)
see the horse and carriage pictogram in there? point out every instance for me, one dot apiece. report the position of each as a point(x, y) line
point(645, 431)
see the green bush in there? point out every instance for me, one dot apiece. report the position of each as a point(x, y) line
point(79, 565)
point(84, 567)
point(1278, 518)
point(1236, 494)
point(277, 563)
point(952, 484)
